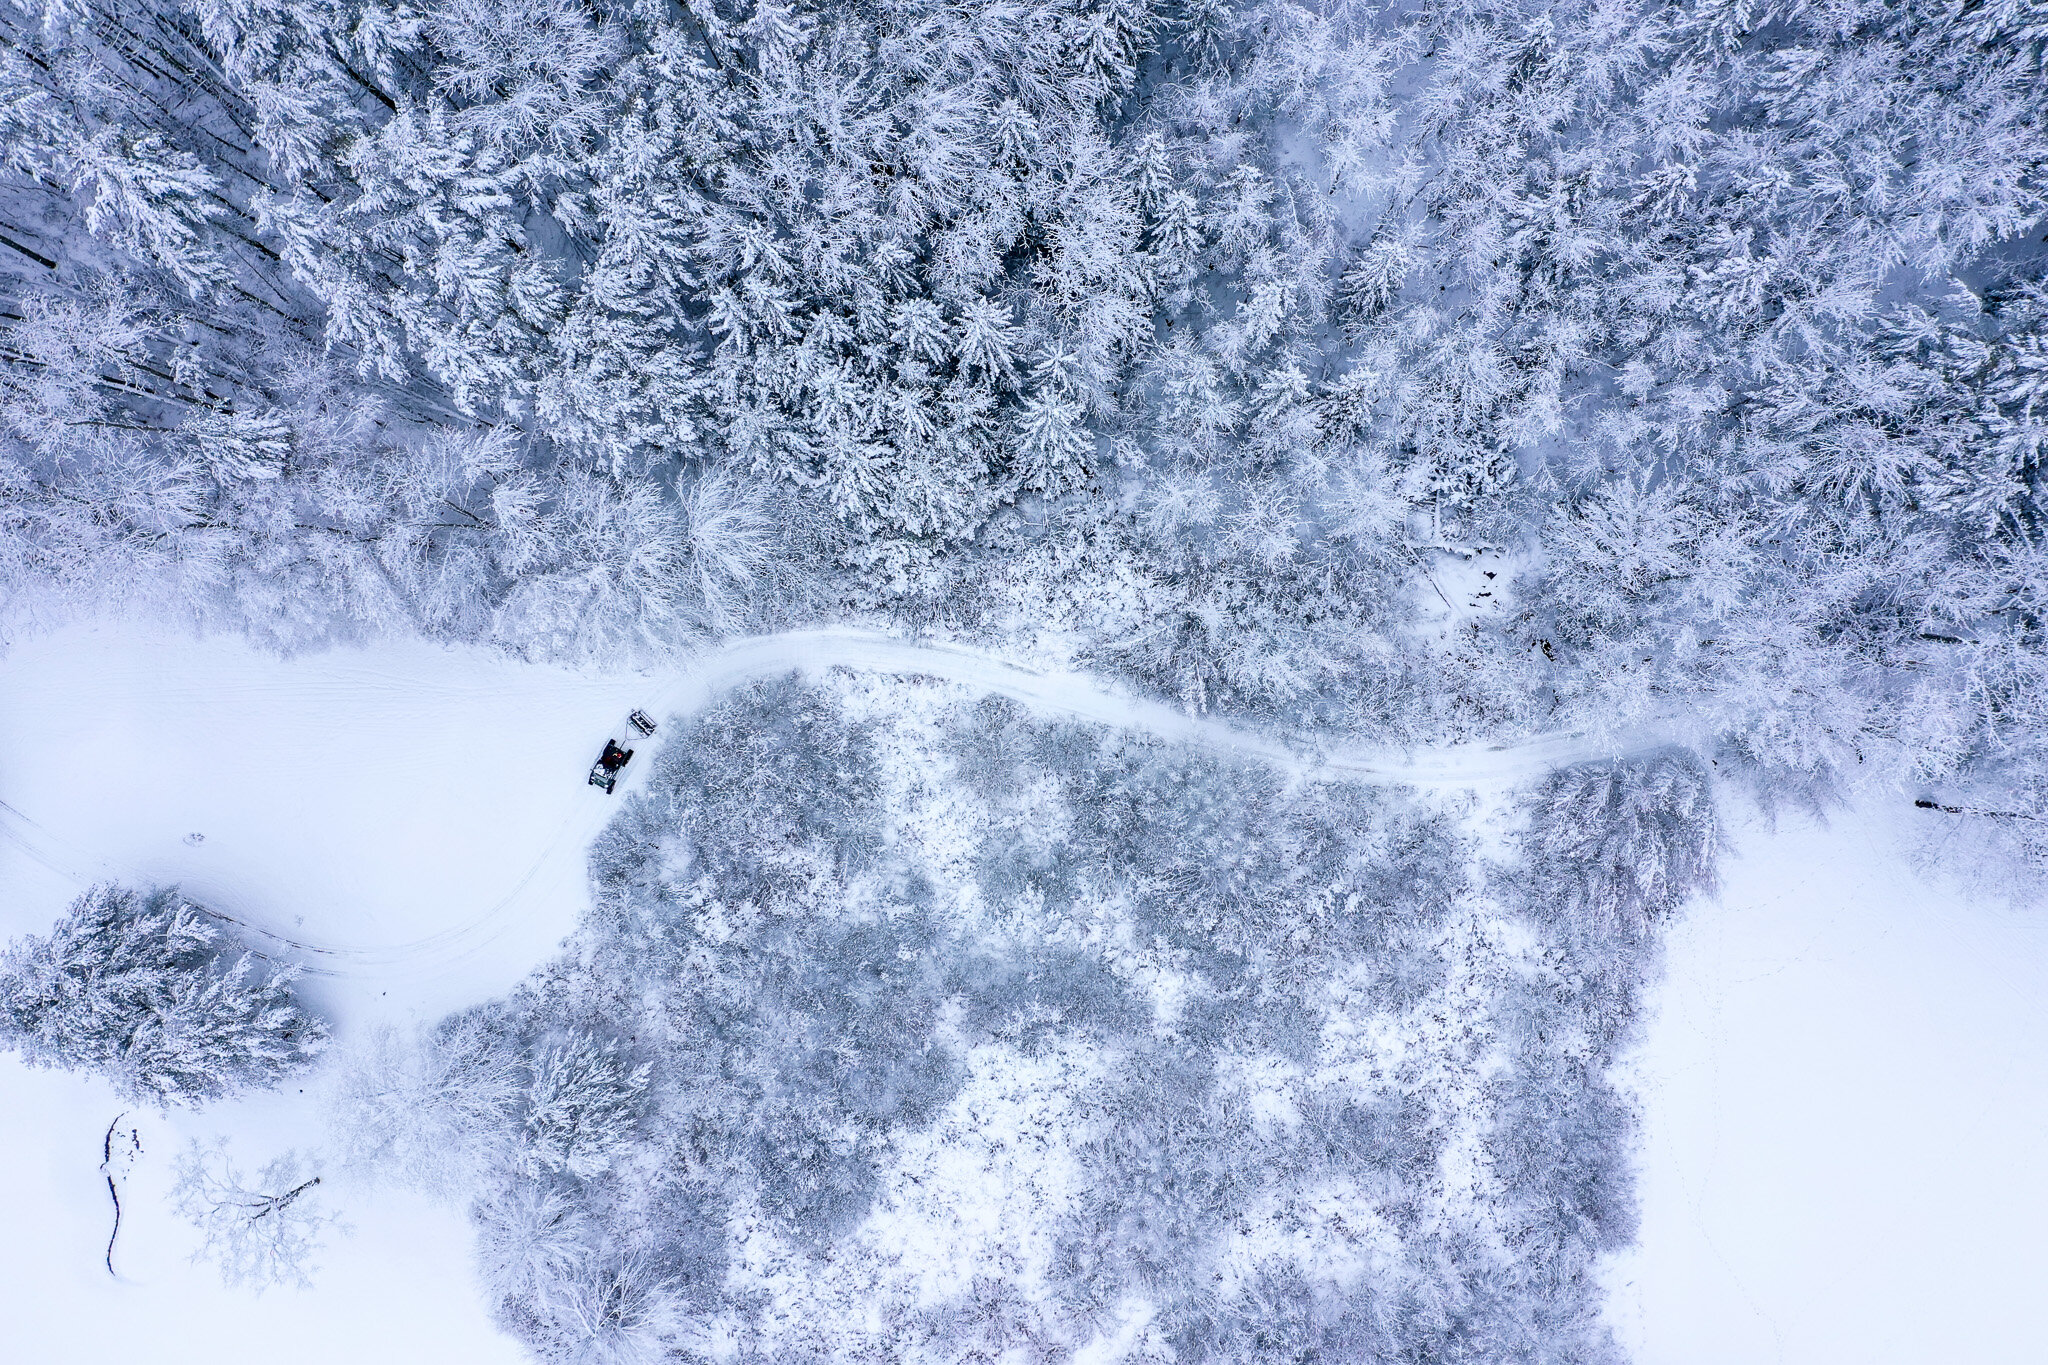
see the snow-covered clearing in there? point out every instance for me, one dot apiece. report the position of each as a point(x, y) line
point(1845, 1089)
point(403, 796)
point(419, 813)
point(1844, 1083)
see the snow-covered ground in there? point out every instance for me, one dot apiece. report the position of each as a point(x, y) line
point(398, 1291)
point(1845, 1085)
point(424, 807)
point(419, 811)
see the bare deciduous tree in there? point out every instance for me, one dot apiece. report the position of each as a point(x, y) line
point(259, 1232)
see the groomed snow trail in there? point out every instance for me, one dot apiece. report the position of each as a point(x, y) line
point(1083, 697)
point(428, 782)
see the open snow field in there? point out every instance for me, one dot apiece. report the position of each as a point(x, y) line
point(1845, 1094)
point(423, 807)
point(1845, 1082)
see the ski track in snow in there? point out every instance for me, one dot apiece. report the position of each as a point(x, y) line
point(711, 675)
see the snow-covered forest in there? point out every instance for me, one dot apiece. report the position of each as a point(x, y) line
point(1186, 337)
point(1656, 391)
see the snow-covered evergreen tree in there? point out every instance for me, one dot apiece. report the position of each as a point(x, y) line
point(1617, 847)
point(148, 991)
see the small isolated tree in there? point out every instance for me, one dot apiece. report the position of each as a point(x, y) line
point(148, 992)
point(259, 1232)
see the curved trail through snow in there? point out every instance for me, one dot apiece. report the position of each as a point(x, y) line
point(1082, 697)
point(1056, 693)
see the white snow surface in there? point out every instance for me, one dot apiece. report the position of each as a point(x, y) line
point(1845, 1105)
point(1845, 1083)
point(397, 1291)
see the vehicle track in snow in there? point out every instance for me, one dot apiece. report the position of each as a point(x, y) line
point(1078, 696)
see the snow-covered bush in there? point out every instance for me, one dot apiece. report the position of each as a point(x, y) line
point(150, 992)
point(601, 1311)
point(430, 1109)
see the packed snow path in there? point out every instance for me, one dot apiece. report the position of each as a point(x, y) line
point(469, 769)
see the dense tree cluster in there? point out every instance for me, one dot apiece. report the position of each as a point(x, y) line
point(1618, 847)
point(906, 1027)
point(1196, 333)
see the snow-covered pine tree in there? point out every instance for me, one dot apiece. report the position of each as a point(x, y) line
point(146, 990)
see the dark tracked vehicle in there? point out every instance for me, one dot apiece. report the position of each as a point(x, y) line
point(604, 774)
